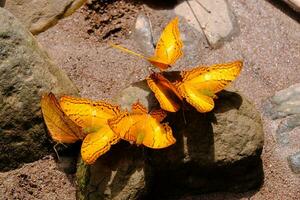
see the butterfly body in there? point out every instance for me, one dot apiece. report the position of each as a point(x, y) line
point(139, 127)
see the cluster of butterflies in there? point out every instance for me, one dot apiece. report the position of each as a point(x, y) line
point(101, 124)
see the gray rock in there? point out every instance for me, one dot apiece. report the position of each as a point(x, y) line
point(294, 162)
point(285, 105)
point(40, 15)
point(217, 151)
point(26, 72)
point(213, 18)
point(143, 34)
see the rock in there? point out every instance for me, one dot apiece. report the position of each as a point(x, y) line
point(295, 4)
point(294, 162)
point(40, 15)
point(26, 72)
point(217, 151)
point(143, 34)
point(285, 105)
point(214, 18)
point(119, 174)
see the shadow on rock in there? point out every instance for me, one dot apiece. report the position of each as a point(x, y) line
point(119, 174)
point(216, 151)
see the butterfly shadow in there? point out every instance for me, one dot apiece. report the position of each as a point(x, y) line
point(193, 165)
point(113, 171)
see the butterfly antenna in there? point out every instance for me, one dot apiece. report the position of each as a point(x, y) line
point(207, 41)
point(127, 50)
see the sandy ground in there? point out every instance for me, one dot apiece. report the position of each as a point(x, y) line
point(268, 43)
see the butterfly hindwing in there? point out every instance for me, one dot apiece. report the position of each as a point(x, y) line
point(97, 143)
point(142, 128)
point(165, 92)
point(61, 128)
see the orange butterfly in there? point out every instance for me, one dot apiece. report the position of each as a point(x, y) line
point(61, 128)
point(139, 127)
point(198, 86)
point(165, 92)
point(92, 116)
point(168, 49)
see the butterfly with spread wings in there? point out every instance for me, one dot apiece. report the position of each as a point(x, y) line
point(197, 86)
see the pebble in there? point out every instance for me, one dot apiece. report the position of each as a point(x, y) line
point(294, 162)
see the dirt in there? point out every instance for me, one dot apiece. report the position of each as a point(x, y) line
point(111, 20)
point(268, 43)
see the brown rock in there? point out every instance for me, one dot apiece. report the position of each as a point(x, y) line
point(40, 15)
point(26, 72)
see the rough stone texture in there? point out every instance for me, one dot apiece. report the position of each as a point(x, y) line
point(295, 4)
point(25, 73)
point(119, 174)
point(40, 15)
point(214, 18)
point(210, 149)
point(294, 162)
point(285, 102)
point(285, 105)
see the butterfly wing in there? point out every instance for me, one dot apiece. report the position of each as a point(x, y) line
point(214, 78)
point(97, 143)
point(87, 113)
point(169, 46)
point(61, 128)
point(165, 92)
point(151, 133)
point(199, 85)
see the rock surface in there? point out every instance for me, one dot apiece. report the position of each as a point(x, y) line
point(284, 107)
point(119, 174)
point(210, 149)
point(26, 72)
point(40, 15)
point(214, 18)
point(294, 162)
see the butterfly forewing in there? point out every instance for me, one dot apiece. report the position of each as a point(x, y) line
point(169, 46)
point(88, 113)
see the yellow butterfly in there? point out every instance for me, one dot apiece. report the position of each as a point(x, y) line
point(139, 127)
point(198, 86)
point(92, 116)
point(165, 92)
point(168, 49)
point(61, 128)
